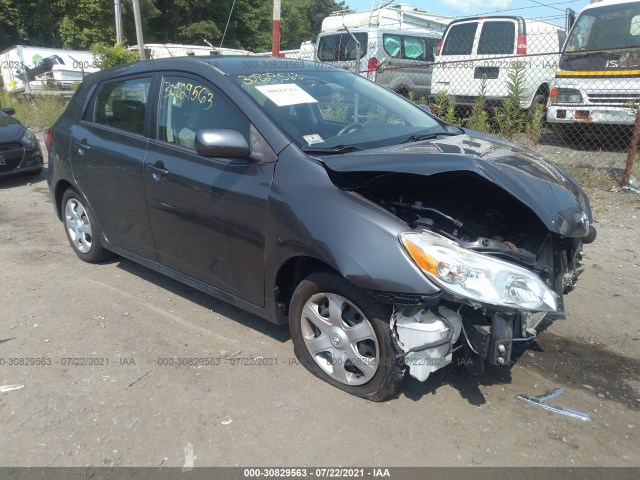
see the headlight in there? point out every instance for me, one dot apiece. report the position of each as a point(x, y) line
point(28, 138)
point(565, 95)
point(471, 275)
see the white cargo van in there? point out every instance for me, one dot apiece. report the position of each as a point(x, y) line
point(393, 46)
point(598, 79)
point(489, 47)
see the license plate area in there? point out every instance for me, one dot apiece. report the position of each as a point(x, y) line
point(491, 73)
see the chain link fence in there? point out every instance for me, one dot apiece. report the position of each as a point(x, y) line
point(510, 76)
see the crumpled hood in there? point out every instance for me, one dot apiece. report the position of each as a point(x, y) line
point(10, 129)
point(552, 193)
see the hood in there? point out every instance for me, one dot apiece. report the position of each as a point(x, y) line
point(10, 129)
point(552, 193)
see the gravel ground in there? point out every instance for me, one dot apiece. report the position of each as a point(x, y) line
point(134, 411)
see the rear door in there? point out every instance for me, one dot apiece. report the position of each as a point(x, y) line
point(495, 48)
point(477, 49)
point(408, 64)
point(107, 152)
point(453, 72)
point(207, 214)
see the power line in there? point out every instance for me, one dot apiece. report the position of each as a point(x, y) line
point(524, 8)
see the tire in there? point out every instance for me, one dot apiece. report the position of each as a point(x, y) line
point(539, 99)
point(353, 351)
point(82, 230)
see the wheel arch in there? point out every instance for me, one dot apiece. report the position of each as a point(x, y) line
point(61, 187)
point(289, 275)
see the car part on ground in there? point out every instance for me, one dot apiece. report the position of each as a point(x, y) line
point(540, 401)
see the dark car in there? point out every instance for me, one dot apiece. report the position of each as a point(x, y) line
point(19, 148)
point(305, 194)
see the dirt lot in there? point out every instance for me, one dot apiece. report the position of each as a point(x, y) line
point(131, 410)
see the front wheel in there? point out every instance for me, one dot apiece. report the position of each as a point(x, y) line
point(341, 335)
point(82, 230)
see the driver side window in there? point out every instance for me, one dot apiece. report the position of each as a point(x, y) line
point(188, 105)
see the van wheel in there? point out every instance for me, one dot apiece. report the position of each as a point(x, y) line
point(539, 99)
point(341, 335)
point(83, 232)
point(403, 91)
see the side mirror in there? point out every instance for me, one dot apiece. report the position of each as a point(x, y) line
point(9, 111)
point(222, 143)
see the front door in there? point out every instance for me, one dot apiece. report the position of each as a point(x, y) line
point(207, 214)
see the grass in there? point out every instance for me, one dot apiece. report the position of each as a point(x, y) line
point(39, 114)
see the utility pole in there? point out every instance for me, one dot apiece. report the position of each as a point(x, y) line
point(118, 12)
point(136, 17)
point(275, 31)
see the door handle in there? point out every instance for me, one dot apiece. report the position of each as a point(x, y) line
point(82, 147)
point(157, 169)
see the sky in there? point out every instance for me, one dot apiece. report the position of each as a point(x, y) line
point(552, 11)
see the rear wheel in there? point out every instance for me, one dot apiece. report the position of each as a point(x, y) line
point(539, 99)
point(342, 336)
point(81, 228)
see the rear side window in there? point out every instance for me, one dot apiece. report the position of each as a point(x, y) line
point(460, 39)
point(123, 104)
point(409, 47)
point(392, 44)
point(341, 46)
point(497, 38)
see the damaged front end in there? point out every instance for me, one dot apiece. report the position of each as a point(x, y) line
point(501, 240)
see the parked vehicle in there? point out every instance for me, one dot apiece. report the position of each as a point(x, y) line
point(166, 50)
point(19, 148)
point(597, 80)
point(386, 238)
point(32, 69)
point(488, 48)
point(393, 46)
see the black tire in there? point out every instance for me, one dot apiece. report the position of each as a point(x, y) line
point(88, 244)
point(539, 99)
point(386, 380)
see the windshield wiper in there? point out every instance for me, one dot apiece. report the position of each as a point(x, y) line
point(430, 136)
point(336, 149)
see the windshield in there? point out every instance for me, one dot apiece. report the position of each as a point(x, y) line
point(327, 108)
point(615, 26)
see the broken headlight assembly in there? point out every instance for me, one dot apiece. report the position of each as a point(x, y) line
point(464, 273)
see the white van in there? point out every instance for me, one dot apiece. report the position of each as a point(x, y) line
point(400, 61)
point(489, 47)
point(396, 44)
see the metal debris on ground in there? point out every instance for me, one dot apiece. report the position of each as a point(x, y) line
point(540, 402)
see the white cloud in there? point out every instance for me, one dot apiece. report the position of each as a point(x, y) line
point(468, 7)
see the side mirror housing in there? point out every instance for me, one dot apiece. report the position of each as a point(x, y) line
point(223, 143)
point(9, 111)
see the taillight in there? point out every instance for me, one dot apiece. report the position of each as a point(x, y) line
point(47, 140)
point(372, 64)
point(439, 47)
point(521, 48)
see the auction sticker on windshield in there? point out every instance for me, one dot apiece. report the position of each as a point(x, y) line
point(285, 94)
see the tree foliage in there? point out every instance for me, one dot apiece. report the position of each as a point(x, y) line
point(78, 24)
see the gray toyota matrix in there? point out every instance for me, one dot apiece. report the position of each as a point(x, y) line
point(387, 239)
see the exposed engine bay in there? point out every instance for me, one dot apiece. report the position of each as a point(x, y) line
point(480, 216)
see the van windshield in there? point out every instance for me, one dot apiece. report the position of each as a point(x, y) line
point(615, 26)
point(341, 46)
point(324, 109)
